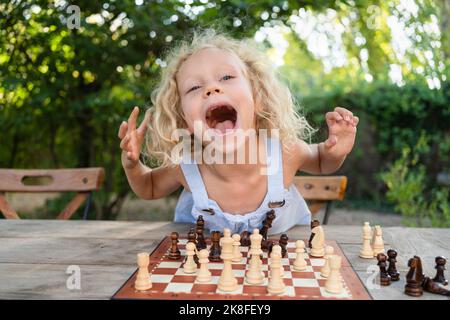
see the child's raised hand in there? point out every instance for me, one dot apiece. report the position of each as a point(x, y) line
point(341, 132)
point(132, 138)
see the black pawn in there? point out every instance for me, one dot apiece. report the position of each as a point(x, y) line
point(245, 239)
point(215, 250)
point(392, 269)
point(174, 253)
point(440, 268)
point(385, 278)
point(283, 244)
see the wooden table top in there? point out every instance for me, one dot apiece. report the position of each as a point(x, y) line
point(35, 255)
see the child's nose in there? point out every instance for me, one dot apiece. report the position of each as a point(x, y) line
point(211, 90)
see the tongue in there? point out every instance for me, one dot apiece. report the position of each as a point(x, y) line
point(223, 126)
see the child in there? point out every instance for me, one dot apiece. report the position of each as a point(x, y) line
point(219, 87)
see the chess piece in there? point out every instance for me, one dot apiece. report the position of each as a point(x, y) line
point(334, 280)
point(378, 243)
point(414, 277)
point(283, 244)
point(143, 281)
point(434, 287)
point(245, 239)
point(314, 223)
point(201, 223)
point(277, 250)
point(267, 224)
point(276, 284)
point(318, 242)
point(366, 251)
point(254, 274)
point(204, 275)
point(325, 270)
point(227, 281)
point(189, 265)
point(392, 269)
point(192, 236)
point(440, 268)
point(237, 255)
point(385, 278)
point(201, 244)
point(300, 262)
point(214, 250)
point(174, 253)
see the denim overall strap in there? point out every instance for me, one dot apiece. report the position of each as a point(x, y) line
point(195, 182)
point(275, 173)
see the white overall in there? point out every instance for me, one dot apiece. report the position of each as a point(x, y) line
point(195, 203)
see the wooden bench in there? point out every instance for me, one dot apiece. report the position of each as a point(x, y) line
point(319, 192)
point(82, 180)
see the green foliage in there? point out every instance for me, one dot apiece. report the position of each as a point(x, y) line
point(406, 182)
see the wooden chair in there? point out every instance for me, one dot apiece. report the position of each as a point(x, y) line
point(83, 181)
point(321, 191)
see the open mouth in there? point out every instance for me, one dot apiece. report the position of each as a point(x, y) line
point(221, 117)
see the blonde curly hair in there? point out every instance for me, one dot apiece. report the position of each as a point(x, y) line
point(278, 107)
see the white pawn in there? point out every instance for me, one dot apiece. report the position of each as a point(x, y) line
point(190, 266)
point(300, 262)
point(366, 250)
point(237, 255)
point(254, 274)
point(334, 280)
point(204, 275)
point(318, 242)
point(325, 271)
point(277, 250)
point(143, 281)
point(276, 284)
point(227, 281)
point(378, 243)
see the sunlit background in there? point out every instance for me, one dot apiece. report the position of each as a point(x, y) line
point(67, 82)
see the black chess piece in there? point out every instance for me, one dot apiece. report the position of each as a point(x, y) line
point(385, 278)
point(215, 250)
point(433, 287)
point(267, 223)
point(245, 239)
point(283, 244)
point(392, 269)
point(201, 243)
point(192, 236)
point(414, 278)
point(440, 268)
point(174, 253)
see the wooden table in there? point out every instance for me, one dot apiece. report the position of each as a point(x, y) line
point(35, 254)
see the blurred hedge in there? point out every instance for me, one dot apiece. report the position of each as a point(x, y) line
point(391, 118)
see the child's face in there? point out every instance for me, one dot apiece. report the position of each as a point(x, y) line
point(215, 93)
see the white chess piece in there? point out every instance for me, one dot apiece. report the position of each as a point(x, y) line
point(366, 250)
point(227, 280)
point(190, 266)
point(237, 255)
point(378, 243)
point(325, 271)
point(204, 275)
point(318, 242)
point(276, 284)
point(254, 274)
point(300, 262)
point(143, 281)
point(334, 280)
point(277, 249)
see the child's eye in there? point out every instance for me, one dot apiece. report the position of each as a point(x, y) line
point(193, 88)
point(227, 77)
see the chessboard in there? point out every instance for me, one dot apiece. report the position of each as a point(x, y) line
point(170, 282)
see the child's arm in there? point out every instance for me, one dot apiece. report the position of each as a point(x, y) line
point(327, 157)
point(146, 183)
